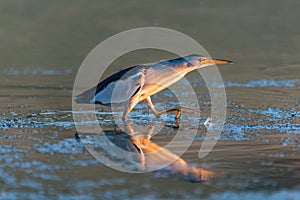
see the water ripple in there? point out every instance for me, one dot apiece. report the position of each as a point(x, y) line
point(265, 83)
point(36, 71)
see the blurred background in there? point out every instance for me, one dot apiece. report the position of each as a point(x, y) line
point(42, 44)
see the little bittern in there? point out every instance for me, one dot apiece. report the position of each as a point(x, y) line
point(136, 84)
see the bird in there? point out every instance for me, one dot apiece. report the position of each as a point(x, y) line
point(136, 84)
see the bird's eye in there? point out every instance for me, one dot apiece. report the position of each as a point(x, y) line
point(203, 59)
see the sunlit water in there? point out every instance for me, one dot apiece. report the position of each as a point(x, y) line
point(257, 153)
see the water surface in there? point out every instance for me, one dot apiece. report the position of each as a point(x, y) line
point(257, 152)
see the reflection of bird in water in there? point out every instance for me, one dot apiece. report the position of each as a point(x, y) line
point(155, 156)
point(143, 155)
point(138, 83)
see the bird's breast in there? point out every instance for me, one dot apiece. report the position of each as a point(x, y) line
point(156, 81)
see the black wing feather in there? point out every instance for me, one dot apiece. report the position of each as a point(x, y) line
point(88, 95)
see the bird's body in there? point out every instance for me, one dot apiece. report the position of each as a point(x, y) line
point(138, 83)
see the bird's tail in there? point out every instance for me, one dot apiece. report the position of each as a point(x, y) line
point(85, 97)
point(81, 99)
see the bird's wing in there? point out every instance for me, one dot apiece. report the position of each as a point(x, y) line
point(174, 62)
point(122, 89)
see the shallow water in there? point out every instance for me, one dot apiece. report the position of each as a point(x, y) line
point(257, 153)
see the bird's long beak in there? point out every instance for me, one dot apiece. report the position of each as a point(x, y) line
point(215, 61)
point(221, 61)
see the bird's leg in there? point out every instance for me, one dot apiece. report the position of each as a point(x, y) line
point(132, 103)
point(177, 109)
point(149, 103)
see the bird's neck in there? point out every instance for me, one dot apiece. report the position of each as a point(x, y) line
point(184, 70)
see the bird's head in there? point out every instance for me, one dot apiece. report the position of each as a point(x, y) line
point(199, 61)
